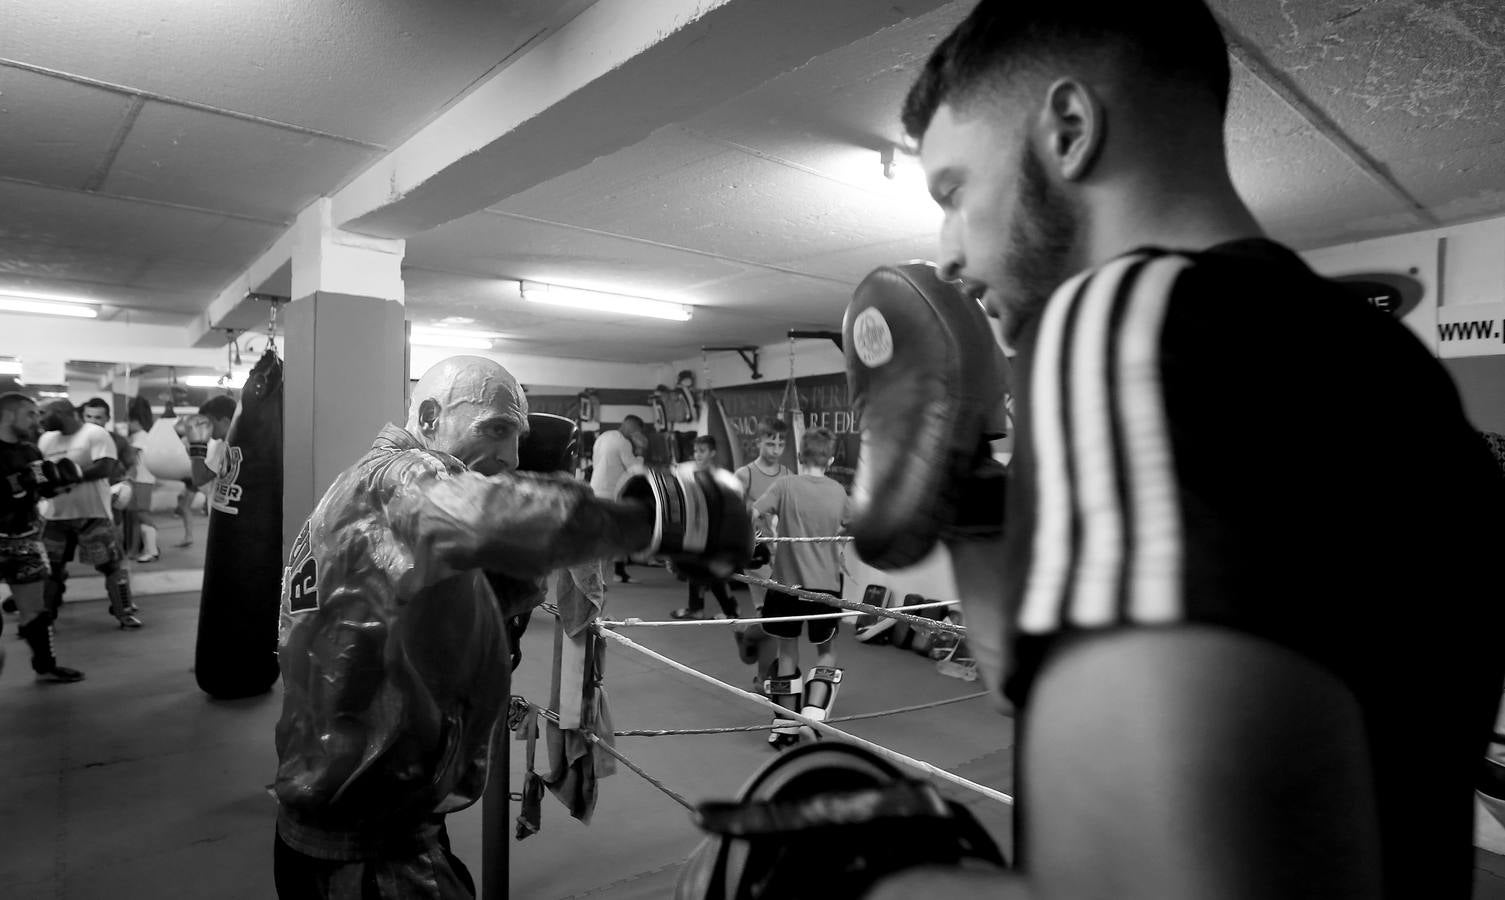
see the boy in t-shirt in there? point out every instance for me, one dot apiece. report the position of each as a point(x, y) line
point(705, 461)
point(757, 476)
point(808, 504)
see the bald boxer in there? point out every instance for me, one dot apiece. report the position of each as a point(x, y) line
point(1249, 654)
point(393, 646)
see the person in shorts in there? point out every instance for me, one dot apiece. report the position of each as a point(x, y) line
point(807, 504)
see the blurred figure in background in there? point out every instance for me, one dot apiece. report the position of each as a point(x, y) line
point(143, 482)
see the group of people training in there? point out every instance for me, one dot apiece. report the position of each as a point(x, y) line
point(77, 489)
point(788, 504)
point(1240, 666)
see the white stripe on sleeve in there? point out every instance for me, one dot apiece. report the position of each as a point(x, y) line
point(1100, 562)
point(1155, 589)
point(1050, 555)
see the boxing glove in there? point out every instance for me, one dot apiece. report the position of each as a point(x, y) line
point(927, 382)
point(549, 445)
point(53, 476)
point(700, 521)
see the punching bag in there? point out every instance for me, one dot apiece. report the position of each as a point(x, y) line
point(166, 457)
point(236, 655)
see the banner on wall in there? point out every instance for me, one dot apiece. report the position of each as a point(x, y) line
point(824, 402)
point(1471, 329)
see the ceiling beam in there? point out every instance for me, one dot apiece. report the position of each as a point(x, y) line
point(141, 95)
point(234, 307)
point(49, 337)
point(1281, 85)
point(605, 81)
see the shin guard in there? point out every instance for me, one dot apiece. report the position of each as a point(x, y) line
point(785, 691)
point(820, 695)
point(38, 636)
point(118, 587)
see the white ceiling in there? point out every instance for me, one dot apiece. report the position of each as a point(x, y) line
point(218, 121)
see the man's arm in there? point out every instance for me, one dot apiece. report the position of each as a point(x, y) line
point(519, 525)
point(200, 433)
point(1187, 762)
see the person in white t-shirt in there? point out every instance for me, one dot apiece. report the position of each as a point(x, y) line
point(80, 520)
point(143, 482)
point(612, 458)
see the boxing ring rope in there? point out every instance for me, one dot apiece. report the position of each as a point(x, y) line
point(893, 756)
point(852, 605)
point(836, 539)
point(497, 802)
point(674, 795)
point(855, 717)
point(635, 622)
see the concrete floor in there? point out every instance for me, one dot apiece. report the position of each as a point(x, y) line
point(133, 784)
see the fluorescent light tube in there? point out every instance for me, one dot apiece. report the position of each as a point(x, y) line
point(46, 308)
point(452, 337)
point(601, 301)
point(10, 367)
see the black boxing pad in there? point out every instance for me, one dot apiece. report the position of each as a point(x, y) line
point(236, 652)
point(549, 445)
point(826, 820)
point(927, 383)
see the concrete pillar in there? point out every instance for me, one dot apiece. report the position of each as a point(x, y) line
point(345, 351)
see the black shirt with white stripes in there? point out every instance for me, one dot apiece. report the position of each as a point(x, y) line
point(1224, 438)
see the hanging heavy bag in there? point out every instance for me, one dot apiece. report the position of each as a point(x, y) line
point(236, 655)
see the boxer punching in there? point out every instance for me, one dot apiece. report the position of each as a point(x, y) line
point(26, 478)
point(1236, 628)
point(393, 638)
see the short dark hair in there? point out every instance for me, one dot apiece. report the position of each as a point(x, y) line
point(139, 410)
point(772, 426)
point(12, 400)
point(221, 407)
point(1176, 40)
point(632, 419)
point(97, 403)
point(817, 447)
point(707, 441)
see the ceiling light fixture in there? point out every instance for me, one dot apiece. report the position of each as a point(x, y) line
point(15, 304)
point(458, 338)
point(602, 301)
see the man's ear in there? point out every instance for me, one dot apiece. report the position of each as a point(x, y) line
point(428, 416)
point(1075, 125)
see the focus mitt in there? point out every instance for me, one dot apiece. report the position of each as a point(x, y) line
point(549, 445)
point(826, 820)
point(926, 380)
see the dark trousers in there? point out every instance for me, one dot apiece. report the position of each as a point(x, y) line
point(302, 877)
point(718, 589)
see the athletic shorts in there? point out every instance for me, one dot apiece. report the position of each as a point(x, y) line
point(23, 559)
point(778, 603)
point(96, 540)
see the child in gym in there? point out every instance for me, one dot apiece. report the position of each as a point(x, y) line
point(807, 504)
